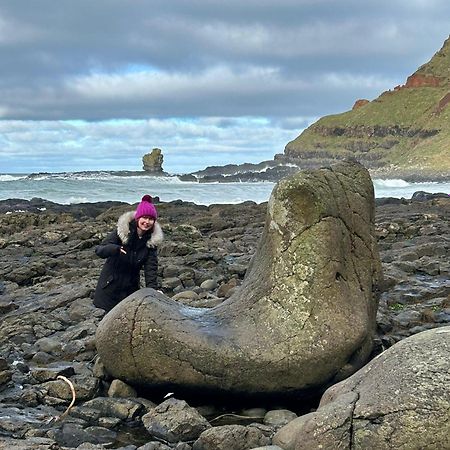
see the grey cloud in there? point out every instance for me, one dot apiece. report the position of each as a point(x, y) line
point(118, 145)
point(47, 45)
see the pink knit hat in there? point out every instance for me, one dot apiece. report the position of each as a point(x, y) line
point(146, 208)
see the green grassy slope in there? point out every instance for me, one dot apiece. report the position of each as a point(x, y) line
point(407, 128)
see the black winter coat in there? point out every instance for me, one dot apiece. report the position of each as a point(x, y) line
point(120, 275)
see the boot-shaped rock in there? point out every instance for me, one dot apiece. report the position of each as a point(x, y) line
point(303, 317)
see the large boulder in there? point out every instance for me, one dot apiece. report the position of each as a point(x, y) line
point(401, 399)
point(303, 317)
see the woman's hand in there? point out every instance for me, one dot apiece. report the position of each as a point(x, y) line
point(122, 250)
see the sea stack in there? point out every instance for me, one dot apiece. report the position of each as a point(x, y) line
point(303, 317)
point(152, 162)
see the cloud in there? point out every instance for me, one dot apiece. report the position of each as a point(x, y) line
point(187, 65)
point(188, 144)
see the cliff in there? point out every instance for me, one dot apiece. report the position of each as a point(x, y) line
point(405, 132)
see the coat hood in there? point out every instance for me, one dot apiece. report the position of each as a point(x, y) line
point(123, 230)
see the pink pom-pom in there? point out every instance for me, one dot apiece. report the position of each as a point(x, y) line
point(147, 198)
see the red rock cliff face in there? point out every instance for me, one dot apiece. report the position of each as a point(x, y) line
point(416, 80)
point(359, 103)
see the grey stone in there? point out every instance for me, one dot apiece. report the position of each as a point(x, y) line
point(115, 407)
point(186, 297)
point(268, 447)
point(231, 437)
point(398, 400)
point(171, 283)
point(120, 389)
point(73, 435)
point(154, 445)
point(279, 417)
point(174, 420)
point(51, 372)
point(86, 387)
point(209, 284)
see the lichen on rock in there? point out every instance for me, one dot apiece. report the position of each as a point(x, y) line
point(303, 317)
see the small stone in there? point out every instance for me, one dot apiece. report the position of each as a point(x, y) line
point(226, 288)
point(229, 437)
point(279, 417)
point(41, 358)
point(51, 373)
point(186, 297)
point(120, 389)
point(108, 422)
point(171, 283)
point(5, 377)
point(99, 370)
point(115, 407)
point(209, 285)
point(174, 420)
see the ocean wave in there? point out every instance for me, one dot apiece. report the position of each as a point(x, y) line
point(5, 177)
point(394, 183)
point(100, 176)
point(73, 200)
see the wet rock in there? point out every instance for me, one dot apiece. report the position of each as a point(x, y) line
point(85, 388)
point(231, 437)
point(51, 372)
point(5, 377)
point(31, 443)
point(72, 435)
point(174, 420)
point(408, 318)
point(421, 196)
point(115, 407)
point(226, 289)
point(7, 306)
point(279, 417)
point(171, 283)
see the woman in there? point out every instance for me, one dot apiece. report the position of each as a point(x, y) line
point(127, 249)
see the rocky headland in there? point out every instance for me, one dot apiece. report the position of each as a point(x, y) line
point(402, 134)
point(48, 325)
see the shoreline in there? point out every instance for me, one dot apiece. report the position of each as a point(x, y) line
point(252, 173)
point(42, 205)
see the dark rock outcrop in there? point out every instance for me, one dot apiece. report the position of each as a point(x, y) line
point(304, 316)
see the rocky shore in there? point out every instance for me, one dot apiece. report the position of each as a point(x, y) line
point(48, 274)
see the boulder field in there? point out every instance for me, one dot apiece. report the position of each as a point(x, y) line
point(48, 272)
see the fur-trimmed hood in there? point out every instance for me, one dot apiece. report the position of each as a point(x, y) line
point(123, 230)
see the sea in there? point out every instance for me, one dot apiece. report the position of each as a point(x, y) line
point(88, 187)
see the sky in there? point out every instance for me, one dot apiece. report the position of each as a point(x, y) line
point(94, 85)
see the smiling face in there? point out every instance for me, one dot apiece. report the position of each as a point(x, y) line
point(145, 223)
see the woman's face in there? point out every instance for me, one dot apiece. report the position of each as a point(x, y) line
point(145, 223)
